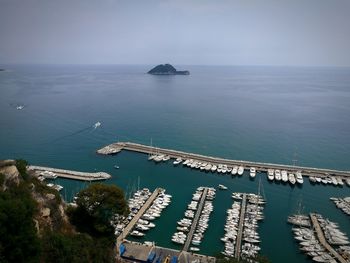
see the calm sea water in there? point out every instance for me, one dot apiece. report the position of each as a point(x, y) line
point(272, 114)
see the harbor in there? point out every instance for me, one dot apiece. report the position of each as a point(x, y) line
point(115, 148)
point(53, 173)
point(145, 202)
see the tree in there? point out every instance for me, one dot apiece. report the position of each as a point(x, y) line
point(95, 207)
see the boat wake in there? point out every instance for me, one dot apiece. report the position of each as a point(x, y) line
point(89, 128)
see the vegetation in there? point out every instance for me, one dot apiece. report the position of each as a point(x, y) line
point(166, 69)
point(20, 240)
point(96, 206)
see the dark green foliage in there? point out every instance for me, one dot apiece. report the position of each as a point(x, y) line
point(22, 168)
point(96, 205)
point(2, 179)
point(63, 248)
point(18, 239)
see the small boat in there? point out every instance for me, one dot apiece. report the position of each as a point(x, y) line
point(278, 175)
point(240, 170)
point(270, 175)
point(177, 161)
point(284, 176)
point(194, 249)
point(116, 166)
point(252, 172)
point(97, 124)
point(19, 107)
point(234, 170)
point(291, 178)
point(222, 187)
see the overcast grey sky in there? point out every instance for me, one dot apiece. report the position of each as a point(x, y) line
point(220, 32)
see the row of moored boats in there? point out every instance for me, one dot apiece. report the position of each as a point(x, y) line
point(250, 237)
point(186, 223)
point(285, 177)
point(331, 180)
point(309, 243)
point(342, 203)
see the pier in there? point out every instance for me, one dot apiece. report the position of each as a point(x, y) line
point(240, 227)
point(195, 220)
point(260, 166)
point(136, 218)
point(323, 241)
point(82, 176)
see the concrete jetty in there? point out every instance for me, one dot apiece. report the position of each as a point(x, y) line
point(240, 227)
point(136, 218)
point(323, 241)
point(195, 220)
point(260, 166)
point(82, 176)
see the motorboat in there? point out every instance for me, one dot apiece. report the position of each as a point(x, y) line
point(252, 172)
point(222, 187)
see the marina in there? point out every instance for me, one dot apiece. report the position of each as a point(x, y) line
point(342, 203)
point(223, 165)
point(53, 173)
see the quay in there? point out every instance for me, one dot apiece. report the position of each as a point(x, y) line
point(82, 176)
point(260, 166)
point(195, 220)
point(136, 218)
point(240, 227)
point(323, 241)
point(137, 252)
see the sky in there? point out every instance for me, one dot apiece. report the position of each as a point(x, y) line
point(181, 32)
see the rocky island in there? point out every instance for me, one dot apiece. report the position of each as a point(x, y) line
point(167, 69)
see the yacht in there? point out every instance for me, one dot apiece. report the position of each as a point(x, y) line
point(278, 175)
point(234, 170)
point(222, 187)
point(299, 177)
point(291, 178)
point(213, 168)
point(136, 233)
point(177, 161)
point(240, 170)
point(270, 175)
point(252, 172)
point(284, 176)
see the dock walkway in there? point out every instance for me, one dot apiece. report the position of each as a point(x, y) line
point(323, 241)
point(140, 148)
point(82, 176)
point(240, 227)
point(136, 218)
point(195, 220)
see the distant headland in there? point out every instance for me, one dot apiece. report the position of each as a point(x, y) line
point(1, 69)
point(167, 69)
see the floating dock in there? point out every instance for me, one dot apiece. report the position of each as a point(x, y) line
point(240, 227)
point(195, 220)
point(262, 167)
point(82, 176)
point(136, 218)
point(323, 241)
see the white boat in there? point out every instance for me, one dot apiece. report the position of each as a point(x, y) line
point(19, 107)
point(284, 176)
point(299, 177)
point(222, 187)
point(270, 175)
point(213, 168)
point(97, 124)
point(278, 175)
point(240, 170)
point(234, 170)
point(136, 233)
point(116, 166)
point(291, 178)
point(177, 161)
point(194, 249)
point(252, 172)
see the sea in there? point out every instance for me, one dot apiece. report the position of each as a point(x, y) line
point(286, 115)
